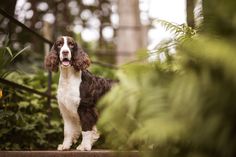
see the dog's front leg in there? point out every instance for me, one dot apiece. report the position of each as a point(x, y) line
point(71, 129)
point(68, 136)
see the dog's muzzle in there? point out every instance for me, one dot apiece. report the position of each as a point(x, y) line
point(66, 62)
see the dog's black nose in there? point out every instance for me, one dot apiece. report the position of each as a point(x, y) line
point(65, 53)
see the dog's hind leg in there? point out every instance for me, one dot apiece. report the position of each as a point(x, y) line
point(95, 134)
point(88, 118)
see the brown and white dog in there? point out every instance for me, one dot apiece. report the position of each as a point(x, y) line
point(78, 92)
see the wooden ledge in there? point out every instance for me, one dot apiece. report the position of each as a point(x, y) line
point(73, 153)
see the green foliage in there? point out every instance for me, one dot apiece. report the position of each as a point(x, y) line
point(103, 71)
point(24, 117)
point(181, 31)
point(184, 111)
point(132, 104)
point(6, 58)
point(26, 122)
point(165, 51)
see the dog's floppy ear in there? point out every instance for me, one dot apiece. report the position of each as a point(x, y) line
point(80, 59)
point(51, 61)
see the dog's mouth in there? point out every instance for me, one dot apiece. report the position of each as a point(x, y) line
point(65, 62)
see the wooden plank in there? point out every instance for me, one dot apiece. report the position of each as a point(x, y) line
point(74, 153)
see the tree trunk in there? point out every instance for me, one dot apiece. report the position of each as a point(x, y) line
point(190, 5)
point(129, 35)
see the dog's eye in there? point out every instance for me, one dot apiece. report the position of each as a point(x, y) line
point(59, 45)
point(71, 44)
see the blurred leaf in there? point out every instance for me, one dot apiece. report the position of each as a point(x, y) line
point(9, 51)
point(18, 53)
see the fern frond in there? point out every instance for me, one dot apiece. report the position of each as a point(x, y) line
point(180, 31)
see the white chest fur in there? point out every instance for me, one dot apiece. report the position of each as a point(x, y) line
point(68, 92)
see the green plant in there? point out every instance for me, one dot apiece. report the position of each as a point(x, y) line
point(6, 58)
point(181, 32)
point(26, 122)
point(166, 49)
point(185, 112)
point(103, 71)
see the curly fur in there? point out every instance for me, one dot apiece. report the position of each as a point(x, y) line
point(52, 60)
point(80, 60)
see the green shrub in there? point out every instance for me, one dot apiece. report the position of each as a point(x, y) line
point(26, 121)
point(184, 111)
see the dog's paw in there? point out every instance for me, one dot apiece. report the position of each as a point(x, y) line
point(63, 147)
point(74, 141)
point(82, 147)
point(95, 137)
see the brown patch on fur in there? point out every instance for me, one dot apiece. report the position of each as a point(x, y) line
point(51, 61)
point(80, 60)
point(88, 117)
point(92, 88)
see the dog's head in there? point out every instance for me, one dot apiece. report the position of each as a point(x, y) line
point(65, 52)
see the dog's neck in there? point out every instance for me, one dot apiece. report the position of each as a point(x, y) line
point(68, 72)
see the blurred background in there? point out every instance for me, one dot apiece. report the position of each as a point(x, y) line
point(111, 30)
point(174, 60)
